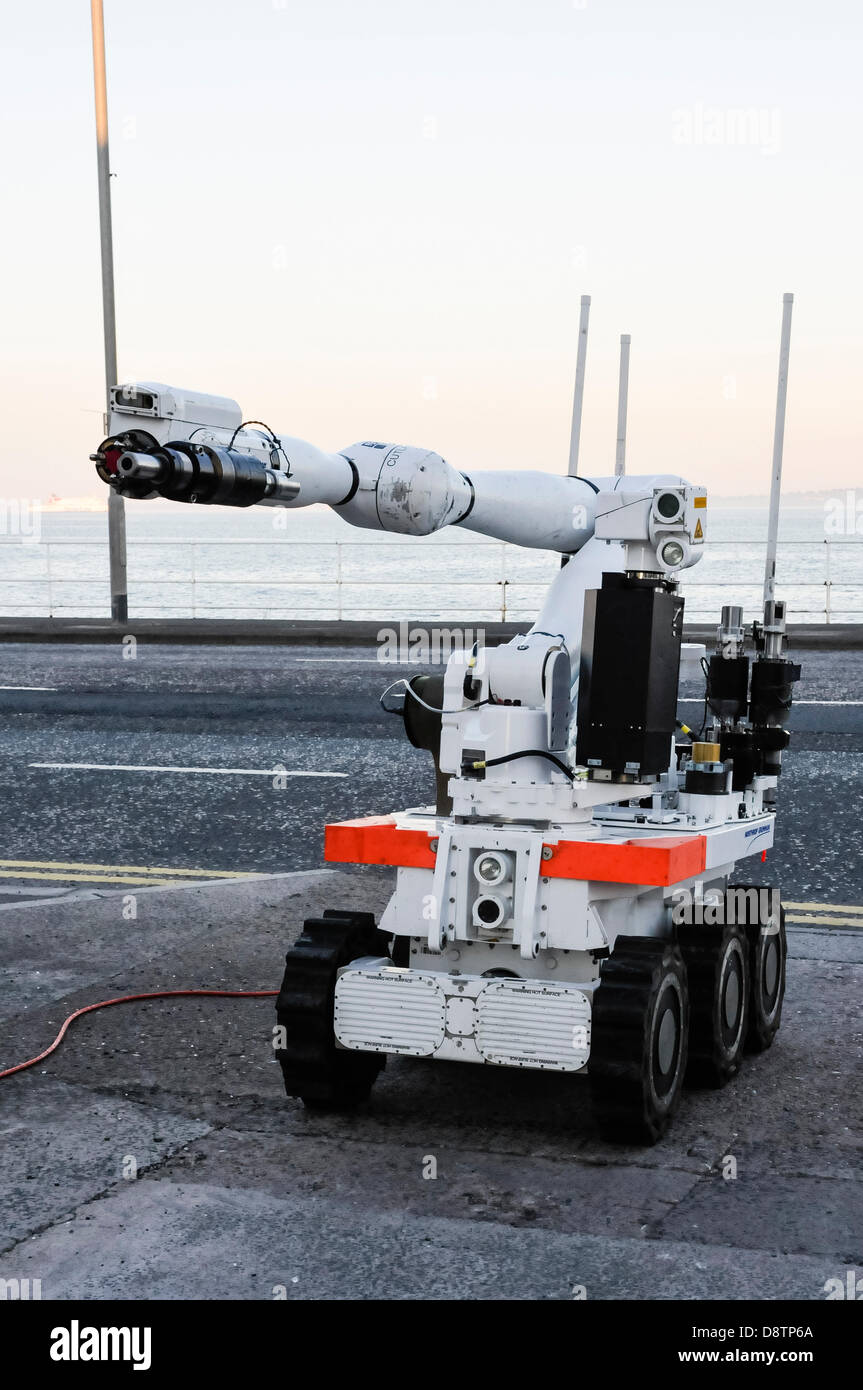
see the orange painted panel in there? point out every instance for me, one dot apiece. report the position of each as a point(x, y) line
point(377, 840)
point(656, 860)
point(652, 860)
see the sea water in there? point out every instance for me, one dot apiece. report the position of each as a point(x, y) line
point(269, 563)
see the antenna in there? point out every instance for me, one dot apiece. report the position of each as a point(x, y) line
point(778, 445)
point(578, 395)
point(622, 399)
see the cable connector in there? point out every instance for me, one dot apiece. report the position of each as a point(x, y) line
point(478, 764)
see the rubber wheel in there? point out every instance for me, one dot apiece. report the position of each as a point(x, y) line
point(322, 1075)
point(717, 960)
point(768, 951)
point(639, 1038)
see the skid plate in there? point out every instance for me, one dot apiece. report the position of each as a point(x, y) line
point(464, 1018)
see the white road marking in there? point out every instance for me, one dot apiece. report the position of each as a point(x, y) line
point(349, 661)
point(29, 687)
point(216, 771)
point(828, 702)
point(697, 700)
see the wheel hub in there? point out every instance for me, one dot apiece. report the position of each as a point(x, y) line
point(667, 1043)
point(771, 970)
point(731, 1000)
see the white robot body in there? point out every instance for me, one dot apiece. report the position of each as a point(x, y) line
point(539, 894)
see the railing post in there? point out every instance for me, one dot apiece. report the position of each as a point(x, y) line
point(48, 572)
point(827, 580)
point(339, 581)
point(194, 547)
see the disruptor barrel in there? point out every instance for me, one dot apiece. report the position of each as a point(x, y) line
point(184, 471)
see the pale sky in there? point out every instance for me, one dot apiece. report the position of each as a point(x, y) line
point(375, 219)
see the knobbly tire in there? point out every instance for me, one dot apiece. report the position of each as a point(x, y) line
point(717, 962)
point(320, 1074)
point(639, 1035)
point(768, 951)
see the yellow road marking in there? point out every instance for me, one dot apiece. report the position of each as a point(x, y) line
point(113, 869)
point(827, 921)
point(89, 878)
point(823, 907)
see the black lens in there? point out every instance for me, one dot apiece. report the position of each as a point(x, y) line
point(668, 505)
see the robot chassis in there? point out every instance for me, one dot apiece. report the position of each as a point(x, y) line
point(565, 904)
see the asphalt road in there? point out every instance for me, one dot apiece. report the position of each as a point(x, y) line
point(67, 796)
point(155, 1155)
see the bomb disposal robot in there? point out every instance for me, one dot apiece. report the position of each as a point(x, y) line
point(564, 906)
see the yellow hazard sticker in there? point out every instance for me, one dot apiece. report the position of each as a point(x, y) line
point(699, 502)
point(699, 533)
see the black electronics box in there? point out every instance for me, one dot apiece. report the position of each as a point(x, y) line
point(630, 666)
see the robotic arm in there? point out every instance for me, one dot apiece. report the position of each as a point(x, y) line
point(194, 448)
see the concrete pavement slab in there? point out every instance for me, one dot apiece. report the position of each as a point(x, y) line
point(171, 1241)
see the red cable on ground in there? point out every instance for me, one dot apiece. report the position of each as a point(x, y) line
point(131, 998)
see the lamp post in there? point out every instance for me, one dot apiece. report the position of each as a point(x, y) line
point(116, 507)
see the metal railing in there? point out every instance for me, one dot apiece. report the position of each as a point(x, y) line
point(502, 577)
